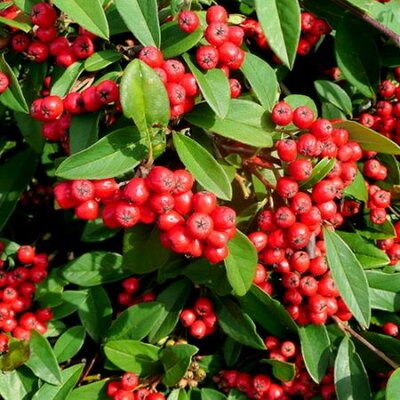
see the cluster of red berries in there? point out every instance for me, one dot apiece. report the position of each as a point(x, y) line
point(200, 319)
point(130, 287)
point(17, 288)
point(312, 29)
point(392, 246)
point(191, 224)
point(263, 386)
point(37, 195)
point(56, 112)
point(385, 115)
point(47, 40)
point(127, 389)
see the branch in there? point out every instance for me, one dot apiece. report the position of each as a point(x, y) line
point(349, 329)
point(371, 21)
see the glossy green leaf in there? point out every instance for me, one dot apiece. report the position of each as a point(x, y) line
point(136, 321)
point(214, 87)
point(71, 300)
point(83, 131)
point(349, 277)
point(22, 26)
point(297, 100)
point(31, 131)
point(69, 376)
point(62, 86)
point(95, 312)
point(134, 356)
point(262, 79)
point(315, 348)
point(384, 300)
point(335, 95)
point(376, 231)
point(203, 166)
point(237, 324)
point(211, 394)
point(94, 390)
point(42, 361)
point(87, 13)
point(319, 172)
point(101, 60)
point(384, 281)
point(367, 253)
point(143, 251)
point(15, 174)
point(368, 139)
point(268, 313)
point(329, 111)
point(173, 299)
point(16, 385)
point(17, 354)
point(246, 122)
point(178, 394)
point(176, 361)
point(25, 5)
point(357, 56)
point(141, 17)
point(280, 21)
point(96, 231)
point(393, 384)
point(13, 97)
point(113, 155)
point(232, 351)
point(69, 343)
point(149, 106)
point(94, 268)
point(357, 188)
point(175, 42)
point(388, 345)
point(351, 379)
point(282, 370)
point(241, 263)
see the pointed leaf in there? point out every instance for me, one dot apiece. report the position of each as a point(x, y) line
point(349, 277)
point(241, 263)
point(87, 13)
point(357, 188)
point(15, 385)
point(383, 281)
point(69, 343)
point(64, 83)
point(101, 60)
point(83, 131)
point(113, 155)
point(282, 370)
point(335, 95)
point(319, 172)
point(141, 17)
point(203, 166)
point(92, 391)
point(280, 21)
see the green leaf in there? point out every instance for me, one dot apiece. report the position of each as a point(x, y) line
point(143, 251)
point(176, 361)
point(297, 100)
point(25, 5)
point(96, 231)
point(383, 281)
point(267, 312)
point(71, 300)
point(246, 122)
point(83, 131)
point(16, 385)
point(94, 268)
point(23, 26)
point(335, 95)
point(141, 17)
point(237, 324)
point(349, 277)
point(113, 155)
point(87, 13)
point(376, 231)
point(178, 394)
point(69, 343)
point(351, 379)
point(330, 112)
point(368, 139)
point(63, 85)
point(42, 361)
point(357, 188)
point(319, 172)
point(149, 106)
point(284, 371)
point(17, 354)
point(133, 356)
point(388, 345)
point(241, 263)
point(15, 174)
point(357, 56)
point(173, 299)
point(366, 252)
point(31, 131)
point(214, 86)
point(13, 97)
point(211, 394)
point(262, 79)
point(69, 376)
point(203, 166)
point(175, 42)
point(393, 384)
point(92, 391)
point(135, 322)
point(101, 60)
point(384, 300)
point(232, 351)
point(95, 312)
point(280, 21)
point(315, 348)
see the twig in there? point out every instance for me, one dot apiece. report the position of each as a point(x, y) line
point(242, 183)
point(370, 20)
point(88, 369)
point(349, 329)
point(262, 178)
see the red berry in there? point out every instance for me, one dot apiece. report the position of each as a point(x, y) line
point(83, 47)
point(215, 255)
point(82, 190)
point(204, 202)
point(129, 381)
point(88, 210)
point(187, 317)
point(20, 42)
point(217, 33)
point(38, 51)
point(199, 225)
point(282, 114)
point(391, 329)
point(303, 117)
point(188, 21)
point(4, 82)
point(207, 57)
point(26, 254)
point(107, 91)
point(216, 14)
point(160, 180)
point(43, 15)
point(51, 108)
point(224, 218)
point(197, 330)
point(203, 306)
point(151, 56)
